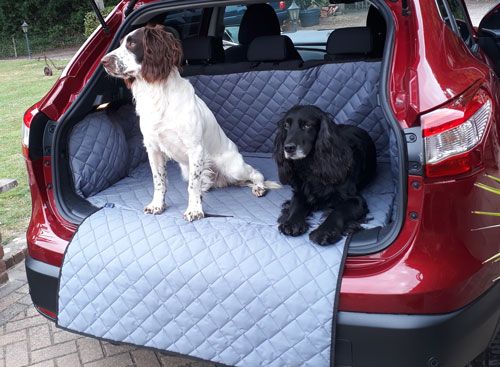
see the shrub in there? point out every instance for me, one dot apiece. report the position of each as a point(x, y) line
point(91, 22)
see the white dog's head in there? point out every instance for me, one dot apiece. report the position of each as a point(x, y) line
point(149, 53)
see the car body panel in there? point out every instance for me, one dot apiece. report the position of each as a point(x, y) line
point(430, 67)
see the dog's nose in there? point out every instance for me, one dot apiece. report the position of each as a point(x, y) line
point(290, 148)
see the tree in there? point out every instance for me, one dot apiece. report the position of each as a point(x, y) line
point(100, 4)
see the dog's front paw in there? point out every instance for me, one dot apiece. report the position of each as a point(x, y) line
point(258, 190)
point(193, 214)
point(293, 229)
point(154, 208)
point(324, 237)
point(285, 212)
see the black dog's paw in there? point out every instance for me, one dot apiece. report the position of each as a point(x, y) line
point(286, 205)
point(351, 228)
point(285, 212)
point(293, 229)
point(324, 237)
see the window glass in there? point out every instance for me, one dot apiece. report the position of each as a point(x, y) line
point(185, 22)
point(315, 15)
point(460, 14)
point(443, 12)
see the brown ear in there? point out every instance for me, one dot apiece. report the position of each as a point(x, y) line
point(162, 52)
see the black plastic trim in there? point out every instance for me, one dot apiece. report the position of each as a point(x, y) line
point(415, 147)
point(445, 340)
point(37, 129)
point(43, 283)
point(48, 137)
point(365, 339)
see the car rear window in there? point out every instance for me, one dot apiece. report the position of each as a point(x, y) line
point(320, 16)
point(185, 22)
point(455, 16)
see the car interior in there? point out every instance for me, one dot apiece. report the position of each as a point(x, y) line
point(100, 159)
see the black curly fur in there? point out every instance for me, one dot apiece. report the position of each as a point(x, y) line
point(336, 162)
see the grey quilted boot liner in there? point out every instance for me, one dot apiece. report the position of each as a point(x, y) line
point(219, 289)
point(229, 288)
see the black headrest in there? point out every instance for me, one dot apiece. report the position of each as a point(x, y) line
point(203, 50)
point(376, 22)
point(350, 41)
point(258, 20)
point(272, 48)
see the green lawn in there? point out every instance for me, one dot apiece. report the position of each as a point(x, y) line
point(22, 83)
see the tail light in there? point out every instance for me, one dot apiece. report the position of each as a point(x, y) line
point(27, 119)
point(453, 133)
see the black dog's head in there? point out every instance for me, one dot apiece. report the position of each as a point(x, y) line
point(300, 128)
point(307, 132)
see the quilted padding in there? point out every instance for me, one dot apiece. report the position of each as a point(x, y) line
point(136, 191)
point(98, 154)
point(248, 105)
point(218, 289)
point(126, 117)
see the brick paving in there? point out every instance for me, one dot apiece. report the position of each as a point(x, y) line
point(29, 339)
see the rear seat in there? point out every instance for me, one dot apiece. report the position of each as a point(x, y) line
point(277, 51)
point(251, 96)
point(205, 55)
point(200, 52)
point(349, 44)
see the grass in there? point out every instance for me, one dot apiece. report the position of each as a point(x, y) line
point(22, 84)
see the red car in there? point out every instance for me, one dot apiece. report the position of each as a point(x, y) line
point(420, 288)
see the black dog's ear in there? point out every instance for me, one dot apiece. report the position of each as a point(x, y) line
point(285, 171)
point(332, 156)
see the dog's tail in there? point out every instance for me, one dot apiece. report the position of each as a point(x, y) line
point(270, 185)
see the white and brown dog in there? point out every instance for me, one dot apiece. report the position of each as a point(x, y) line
point(176, 123)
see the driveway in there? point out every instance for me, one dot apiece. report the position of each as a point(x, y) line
point(28, 339)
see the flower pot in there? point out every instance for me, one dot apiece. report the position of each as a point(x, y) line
point(309, 17)
point(328, 11)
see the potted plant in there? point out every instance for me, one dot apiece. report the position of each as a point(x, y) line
point(309, 13)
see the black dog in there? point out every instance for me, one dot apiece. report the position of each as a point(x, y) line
point(326, 165)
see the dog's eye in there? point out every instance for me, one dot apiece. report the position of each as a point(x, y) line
point(307, 125)
point(131, 44)
point(286, 125)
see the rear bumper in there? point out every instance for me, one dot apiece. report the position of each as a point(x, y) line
point(368, 340)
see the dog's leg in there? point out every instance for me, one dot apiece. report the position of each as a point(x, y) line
point(157, 162)
point(194, 210)
point(343, 215)
point(234, 168)
point(293, 219)
point(285, 212)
